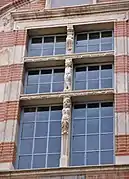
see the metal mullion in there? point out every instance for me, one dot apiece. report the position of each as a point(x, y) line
point(85, 135)
point(52, 80)
point(33, 139)
point(99, 76)
point(54, 45)
point(99, 133)
point(42, 46)
point(39, 81)
point(48, 136)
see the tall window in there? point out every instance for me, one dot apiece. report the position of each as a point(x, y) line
point(92, 134)
point(94, 41)
point(93, 77)
point(40, 137)
point(45, 80)
point(63, 3)
point(47, 45)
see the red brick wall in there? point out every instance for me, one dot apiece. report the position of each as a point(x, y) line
point(122, 145)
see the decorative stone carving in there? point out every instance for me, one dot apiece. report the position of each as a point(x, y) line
point(66, 115)
point(70, 40)
point(68, 75)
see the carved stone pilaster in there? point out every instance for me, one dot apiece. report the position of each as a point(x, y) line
point(66, 119)
point(70, 40)
point(68, 74)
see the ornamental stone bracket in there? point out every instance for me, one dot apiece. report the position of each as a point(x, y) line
point(66, 118)
point(68, 74)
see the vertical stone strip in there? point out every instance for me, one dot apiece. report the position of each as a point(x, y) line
point(70, 40)
point(65, 140)
point(121, 90)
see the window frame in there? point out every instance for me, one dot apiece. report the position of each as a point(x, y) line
point(88, 32)
point(90, 65)
point(38, 84)
point(85, 151)
point(42, 44)
point(33, 138)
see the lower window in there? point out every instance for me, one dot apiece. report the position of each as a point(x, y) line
point(40, 137)
point(92, 134)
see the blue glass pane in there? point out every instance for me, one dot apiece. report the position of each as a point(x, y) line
point(26, 146)
point(41, 129)
point(54, 145)
point(57, 87)
point(106, 124)
point(34, 52)
point(39, 161)
point(59, 76)
point(33, 78)
point(59, 50)
point(106, 157)
point(45, 78)
point(106, 83)
point(93, 84)
point(55, 128)
point(53, 160)
point(93, 126)
point(79, 113)
point(78, 143)
point(93, 142)
point(94, 74)
point(31, 89)
point(93, 48)
point(24, 162)
point(92, 112)
point(78, 127)
point(105, 47)
point(107, 73)
point(27, 130)
point(80, 75)
point(80, 49)
point(92, 158)
point(77, 159)
point(42, 115)
point(44, 88)
point(56, 115)
point(40, 145)
point(29, 116)
point(80, 85)
point(106, 141)
point(106, 111)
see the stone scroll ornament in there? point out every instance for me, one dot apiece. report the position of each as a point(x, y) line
point(66, 115)
point(68, 75)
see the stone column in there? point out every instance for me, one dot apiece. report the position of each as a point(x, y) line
point(70, 40)
point(65, 140)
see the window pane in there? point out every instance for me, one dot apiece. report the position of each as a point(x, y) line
point(27, 130)
point(95, 35)
point(106, 141)
point(80, 49)
point(48, 45)
point(106, 34)
point(93, 126)
point(41, 129)
point(105, 47)
point(80, 74)
point(106, 111)
point(58, 75)
point(77, 159)
point(81, 85)
point(45, 76)
point(29, 114)
point(106, 157)
point(78, 143)
point(93, 110)
point(93, 84)
point(92, 158)
point(57, 87)
point(93, 48)
point(39, 161)
point(40, 145)
point(42, 114)
point(34, 52)
point(24, 162)
point(78, 126)
point(107, 124)
point(44, 88)
point(106, 83)
point(79, 112)
point(93, 142)
point(93, 72)
point(33, 77)
point(26, 146)
point(55, 128)
point(54, 145)
point(31, 89)
point(106, 71)
point(53, 160)
point(56, 113)
point(37, 40)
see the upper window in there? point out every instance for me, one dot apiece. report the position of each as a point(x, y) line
point(63, 3)
point(47, 45)
point(45, 80)
point(92, 134)
point(93, 42)
point(93, 77)
point(40, 137)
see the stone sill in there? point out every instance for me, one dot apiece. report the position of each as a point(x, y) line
point(58, 60)
point(57, 98)
point(107, 170)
